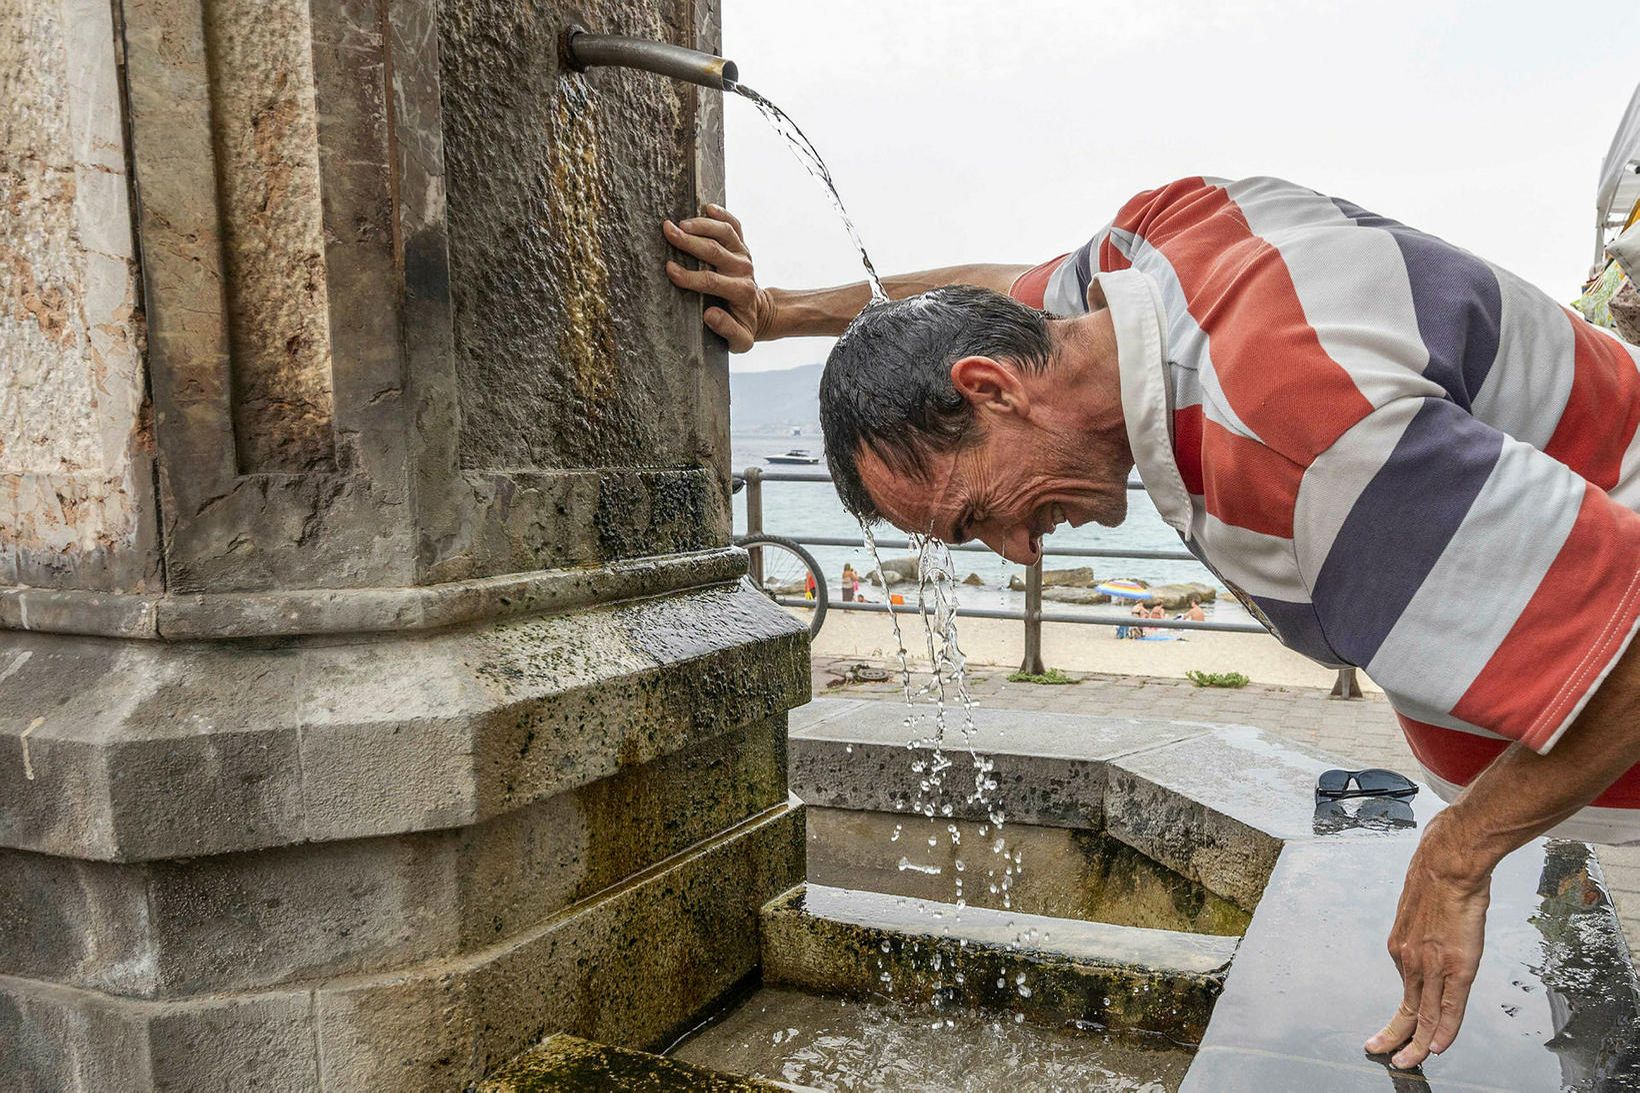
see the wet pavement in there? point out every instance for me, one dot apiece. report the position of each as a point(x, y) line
point(1550, 1007)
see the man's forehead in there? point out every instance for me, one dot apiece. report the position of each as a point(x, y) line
point(913, 502)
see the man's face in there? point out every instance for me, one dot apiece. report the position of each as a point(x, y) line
point(1028, 474)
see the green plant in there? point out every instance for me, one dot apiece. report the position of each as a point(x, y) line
point(1053, 676)
point(1216, 679)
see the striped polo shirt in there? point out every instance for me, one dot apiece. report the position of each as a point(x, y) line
point(1398, 455)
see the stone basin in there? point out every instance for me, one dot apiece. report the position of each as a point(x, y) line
point(1268, 969)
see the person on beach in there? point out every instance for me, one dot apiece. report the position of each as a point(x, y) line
point(1194, 612)
point(1397, 455)
point(851, 583)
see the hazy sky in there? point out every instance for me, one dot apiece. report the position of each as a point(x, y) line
point(1010, 132)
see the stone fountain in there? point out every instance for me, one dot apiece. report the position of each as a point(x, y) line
point(382, 706)
point(378, 691)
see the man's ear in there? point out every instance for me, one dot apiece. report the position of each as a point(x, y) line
point(990, 385)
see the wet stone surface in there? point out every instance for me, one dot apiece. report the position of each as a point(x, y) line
point(1556, 1005)
point(568, 1064)
point(1553, 1006)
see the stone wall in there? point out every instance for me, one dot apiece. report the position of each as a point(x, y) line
point(74, 438)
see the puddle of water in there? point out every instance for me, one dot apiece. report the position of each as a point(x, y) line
point(851, 1046)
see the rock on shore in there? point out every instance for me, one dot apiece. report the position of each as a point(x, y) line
point(1077, 577)
point(1170, 597)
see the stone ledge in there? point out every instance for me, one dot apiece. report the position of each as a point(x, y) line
point(263, 919)
point(308, 741)
point(1214, 803)
point(298, 612)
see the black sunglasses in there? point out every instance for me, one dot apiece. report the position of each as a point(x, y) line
point(1338, 785)
point(1363, 813)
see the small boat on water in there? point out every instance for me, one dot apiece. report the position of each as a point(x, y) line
point(799, 456)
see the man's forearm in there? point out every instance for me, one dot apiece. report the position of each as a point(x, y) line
point(826, 312)
point(1522, 794)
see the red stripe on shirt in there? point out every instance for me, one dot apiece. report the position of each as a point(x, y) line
point(1187, 446)
point(1602, 410)
point(1028, 288)
point(1111, 257)
point(1248, 484)
point(1570, 631)
point(1457, 757)
point(1269, 362)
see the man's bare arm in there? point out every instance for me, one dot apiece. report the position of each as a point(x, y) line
point(1440, 924)
point(828, 311)
point(756, 314)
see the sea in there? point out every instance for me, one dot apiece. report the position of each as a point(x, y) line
point(802, 509)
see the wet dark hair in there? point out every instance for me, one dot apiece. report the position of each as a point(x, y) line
point(887, 383)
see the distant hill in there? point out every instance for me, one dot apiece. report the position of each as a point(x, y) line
point(775, 401)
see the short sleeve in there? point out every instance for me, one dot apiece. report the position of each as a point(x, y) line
point(1059, 286)
point(1479, 581)
point(1029, 287)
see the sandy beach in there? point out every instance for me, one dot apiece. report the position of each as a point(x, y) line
point(1085, 649)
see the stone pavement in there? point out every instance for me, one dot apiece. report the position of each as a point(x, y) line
point(1359, 732)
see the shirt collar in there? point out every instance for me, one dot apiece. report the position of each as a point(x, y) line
point(1141, 353)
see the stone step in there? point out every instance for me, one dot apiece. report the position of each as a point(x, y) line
point(841, 941)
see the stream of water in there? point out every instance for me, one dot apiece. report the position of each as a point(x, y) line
point(937, 609)
point(809, 157)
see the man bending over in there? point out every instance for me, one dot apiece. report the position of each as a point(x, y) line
point(1397, 455)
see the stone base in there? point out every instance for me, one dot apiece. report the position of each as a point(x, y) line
point(630, 966)
point(391, 863)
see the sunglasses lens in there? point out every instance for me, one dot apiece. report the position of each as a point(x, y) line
point(1333, 781)
point(1384, 781)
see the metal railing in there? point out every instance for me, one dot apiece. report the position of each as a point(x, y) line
point(1033, 616)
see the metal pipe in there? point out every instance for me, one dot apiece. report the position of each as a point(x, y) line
point(822, 476)
point(1032, 664)
point(981, 548)
point(754, 517)
point(1047, 616)
point(584, 50)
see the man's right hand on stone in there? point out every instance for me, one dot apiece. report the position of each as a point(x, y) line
point(745, 312)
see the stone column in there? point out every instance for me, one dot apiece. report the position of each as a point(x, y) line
point(378, 691)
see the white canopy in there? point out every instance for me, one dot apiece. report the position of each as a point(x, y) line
point(1619, 180)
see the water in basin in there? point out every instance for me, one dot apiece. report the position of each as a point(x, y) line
point(852, 1046)
point(1063, 872)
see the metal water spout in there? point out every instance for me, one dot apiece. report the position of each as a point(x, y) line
point(583, 50)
